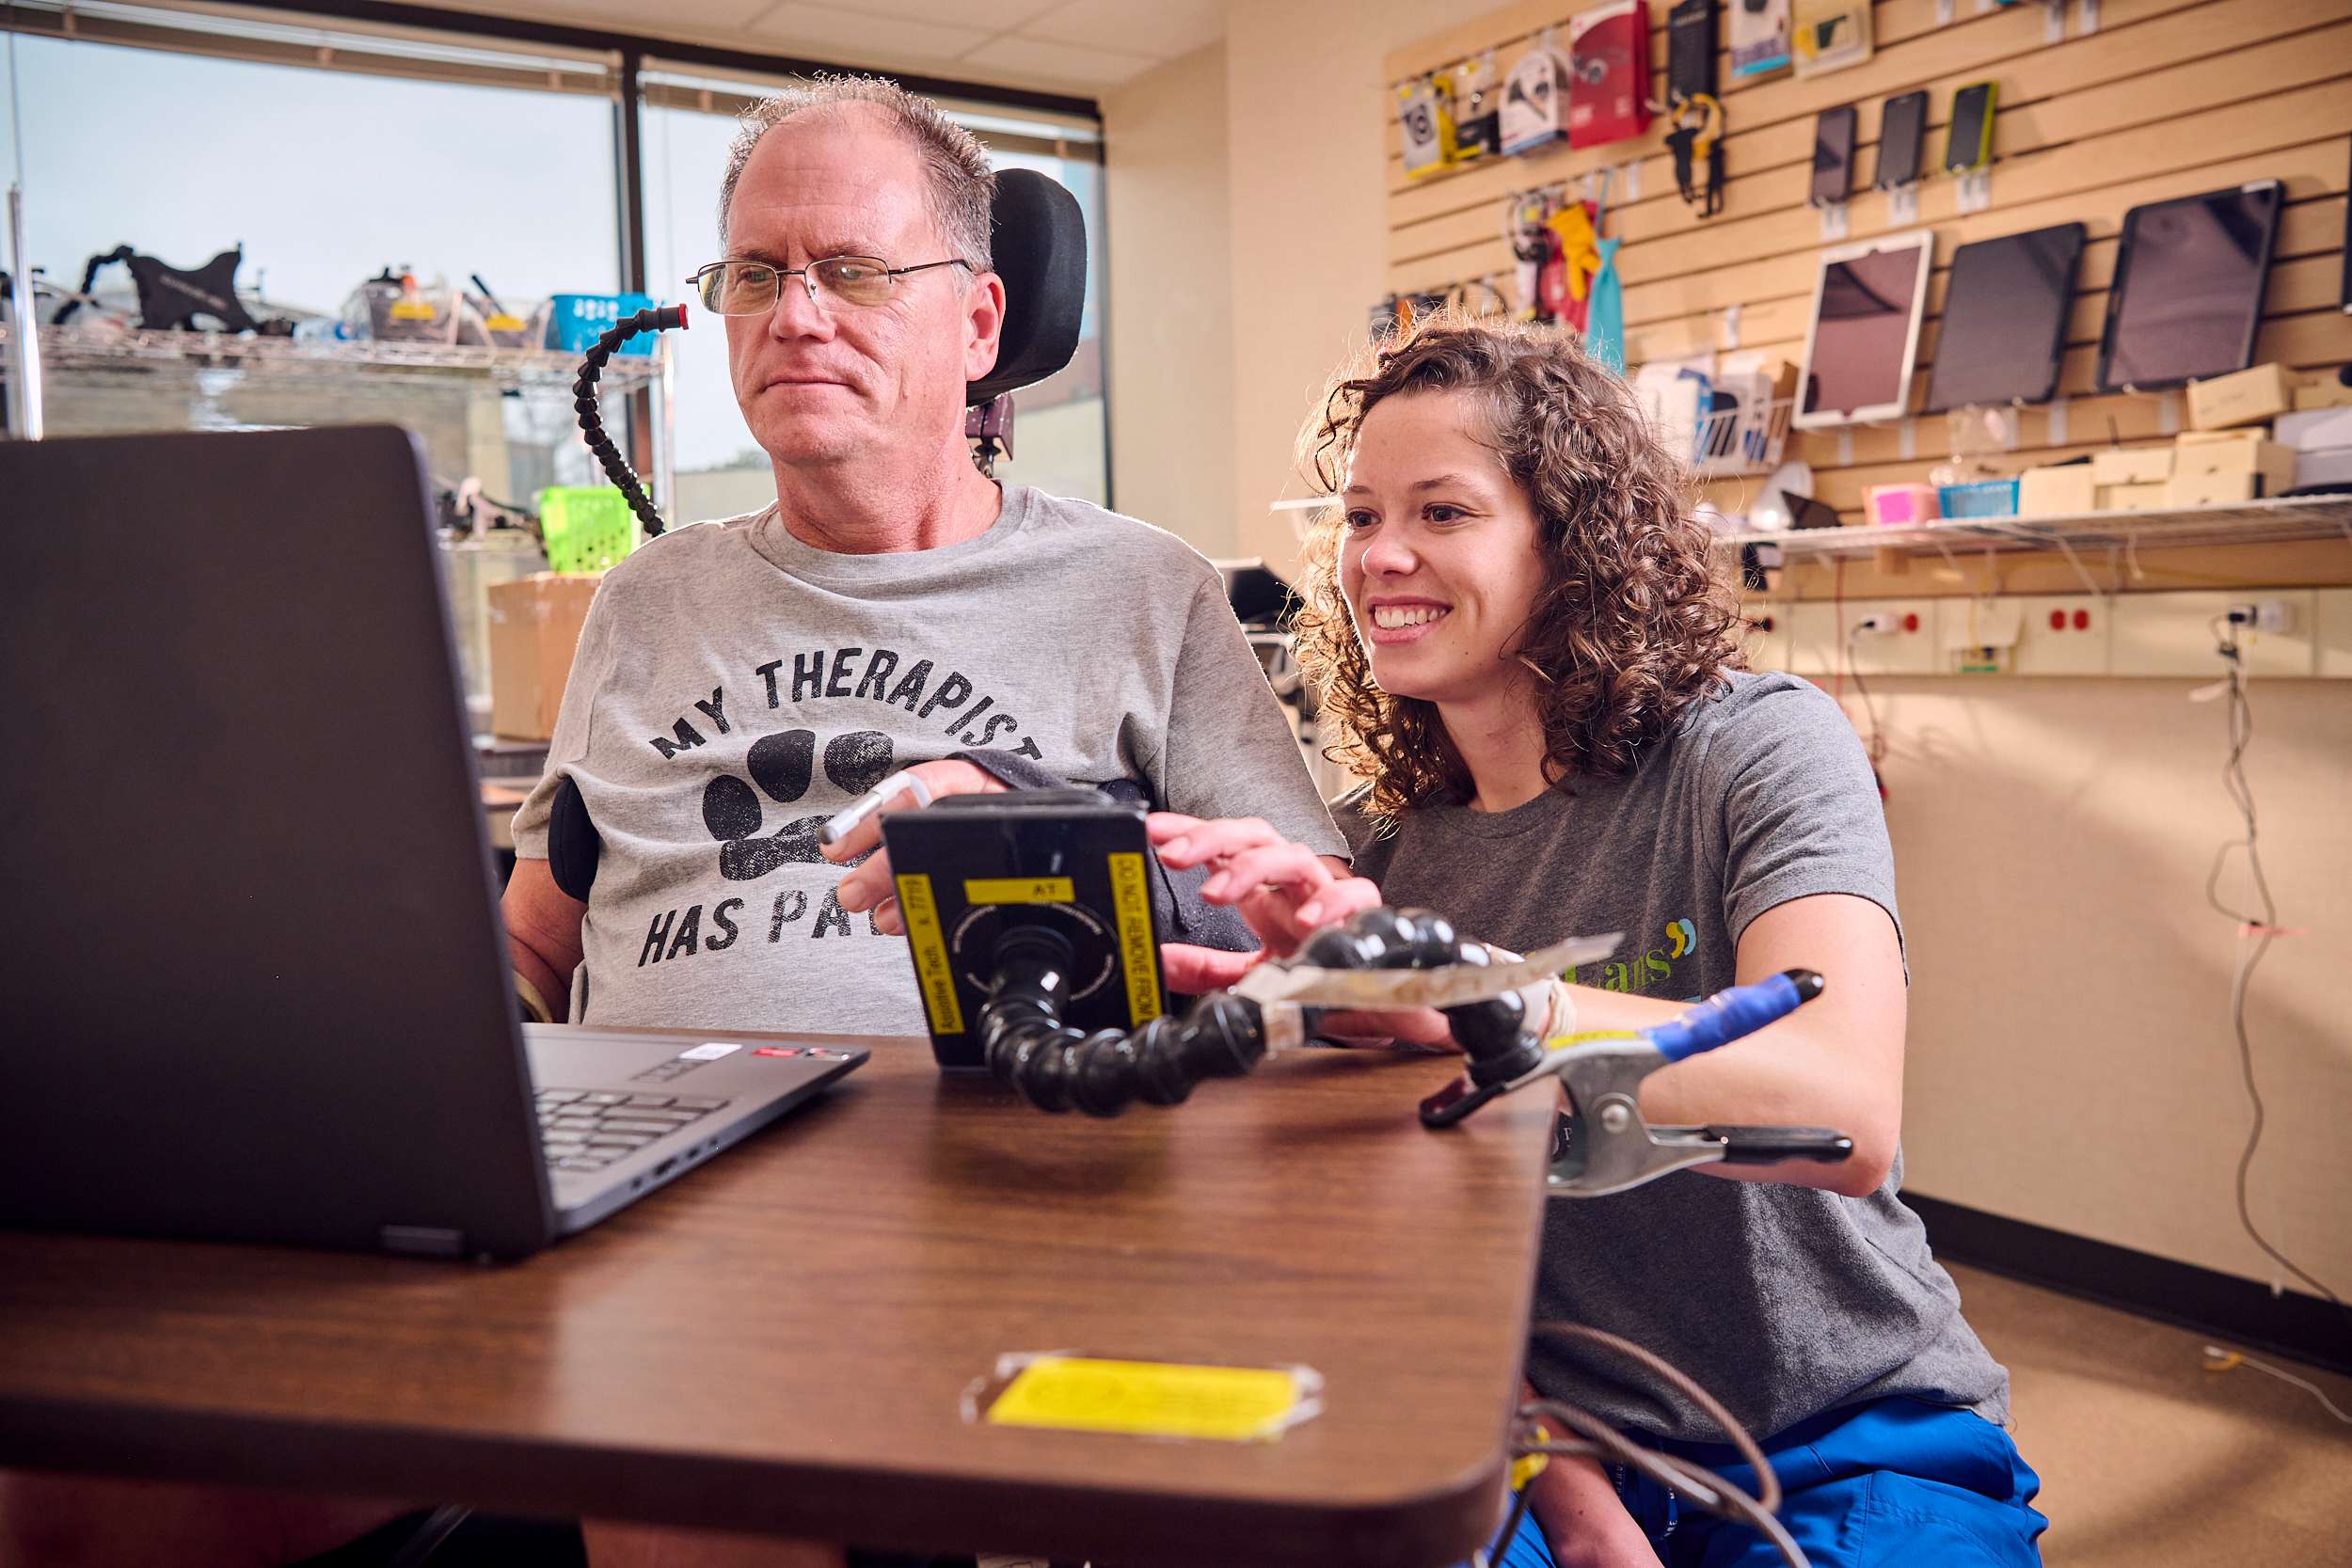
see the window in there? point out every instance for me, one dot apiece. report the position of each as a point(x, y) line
point(328, 157)
point(325, 177)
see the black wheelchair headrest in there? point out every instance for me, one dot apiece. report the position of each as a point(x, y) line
point(1040, 237)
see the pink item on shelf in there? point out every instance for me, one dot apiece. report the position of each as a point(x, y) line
point(1901, 505)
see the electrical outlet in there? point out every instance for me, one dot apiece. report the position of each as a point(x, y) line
point(1891, 637)
point(2176, 634)
point(2277, 615)
point(2064, 635)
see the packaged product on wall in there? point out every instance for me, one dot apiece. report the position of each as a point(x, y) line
point(1477, 110)
point(1609, 73)
point(1831, 35)
point(1534, 101)
point(1759, 37)
point(1424, 112)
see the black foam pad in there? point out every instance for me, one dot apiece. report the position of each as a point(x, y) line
point(1040, 237)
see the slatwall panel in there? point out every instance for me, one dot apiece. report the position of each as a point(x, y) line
point(2166, 98)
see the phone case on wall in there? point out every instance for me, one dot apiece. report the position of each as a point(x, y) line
point(1969, 145)
point(1609, 73)
point(1832, 156)
point(1902, 133)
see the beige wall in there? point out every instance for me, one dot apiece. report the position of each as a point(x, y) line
point(1170, 297)
point(1309, 232)
point(1237, 282)
point(2072, 1061)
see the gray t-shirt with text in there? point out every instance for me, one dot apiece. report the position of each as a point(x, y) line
point(734, 687)
point(1784, 1302)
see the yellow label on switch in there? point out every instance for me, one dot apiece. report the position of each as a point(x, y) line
point(1021, 890)
point(1138, 955)
point(1151, 1399)
point(934, 973)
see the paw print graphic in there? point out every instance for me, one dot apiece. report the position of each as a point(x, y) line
point(782, 766)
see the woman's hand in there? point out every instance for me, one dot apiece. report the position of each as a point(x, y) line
point(869, 886)
point(1283, 891)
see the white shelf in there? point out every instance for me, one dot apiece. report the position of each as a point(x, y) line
point(98, 348)
point(2296, 520)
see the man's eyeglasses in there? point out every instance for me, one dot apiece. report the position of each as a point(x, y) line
point(752, 288)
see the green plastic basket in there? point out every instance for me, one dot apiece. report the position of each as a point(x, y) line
point(586, 527)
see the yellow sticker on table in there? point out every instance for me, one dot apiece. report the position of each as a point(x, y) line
point(1138, 955)
point(1152, 1399)
point(933, 973)
point(1021, 890)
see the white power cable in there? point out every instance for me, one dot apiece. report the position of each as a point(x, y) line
point(2219, 1360)
point(2259, 930)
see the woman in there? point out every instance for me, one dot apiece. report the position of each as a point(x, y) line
point(1514, 623)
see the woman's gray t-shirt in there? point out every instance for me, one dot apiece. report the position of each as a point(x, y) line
point(1782, 1300)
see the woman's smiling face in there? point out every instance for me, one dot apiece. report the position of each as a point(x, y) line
point(1439, 561)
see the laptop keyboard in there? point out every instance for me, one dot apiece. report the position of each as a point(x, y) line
point(589, 1129)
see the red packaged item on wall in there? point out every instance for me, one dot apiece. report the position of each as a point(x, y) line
point(1609, 73)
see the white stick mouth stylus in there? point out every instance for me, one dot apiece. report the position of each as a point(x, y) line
point(842, 824)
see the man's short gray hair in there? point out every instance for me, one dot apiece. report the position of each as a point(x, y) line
point(961, 187)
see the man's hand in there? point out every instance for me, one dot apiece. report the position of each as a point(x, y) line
point(869, 886)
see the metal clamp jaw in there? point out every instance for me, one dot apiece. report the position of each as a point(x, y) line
point(1604, 1144)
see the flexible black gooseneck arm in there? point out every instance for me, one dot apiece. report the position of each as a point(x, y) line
point(1056, 1068)
point(616, 468)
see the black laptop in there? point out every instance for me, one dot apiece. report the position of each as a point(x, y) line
point(253, 981)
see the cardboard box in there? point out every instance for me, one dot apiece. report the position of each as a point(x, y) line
point(2247, 397)
point(2315, 429)
point(535, 629)
point(2056, 492)
point(2210, 489)
point(2251, 454)
point(2131, 465)
point(2327, 393)
point(2132, 497)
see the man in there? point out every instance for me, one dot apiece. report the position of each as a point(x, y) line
point(737, 683)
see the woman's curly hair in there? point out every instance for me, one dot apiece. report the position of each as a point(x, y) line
point(1633, 626)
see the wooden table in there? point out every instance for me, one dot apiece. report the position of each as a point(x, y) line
point(500, 801)
point(783, 1341)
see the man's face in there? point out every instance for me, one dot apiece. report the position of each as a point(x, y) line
point(827, 383)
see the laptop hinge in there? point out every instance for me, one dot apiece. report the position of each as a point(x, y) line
point(424, 1241)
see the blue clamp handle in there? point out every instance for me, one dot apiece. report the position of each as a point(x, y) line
point(1729, 1014)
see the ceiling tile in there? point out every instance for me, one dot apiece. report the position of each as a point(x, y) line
point(862, 36)
point(1167, 28)
point(676, 19)
point(1093, 68)
point(992, 16)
